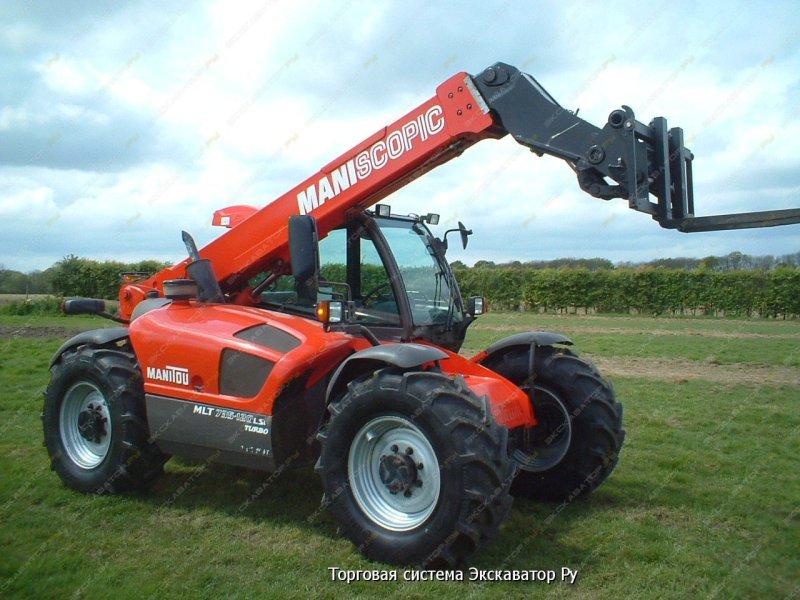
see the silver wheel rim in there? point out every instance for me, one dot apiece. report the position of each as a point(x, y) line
point(85, 425)
point(393, 436)
point(550, 451)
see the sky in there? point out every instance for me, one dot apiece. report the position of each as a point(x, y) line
point(122, 123)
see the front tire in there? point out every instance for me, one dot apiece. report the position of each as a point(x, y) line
point(577, 443)
point(414, 468)
point(94, 422)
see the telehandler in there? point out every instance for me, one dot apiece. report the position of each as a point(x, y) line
point(324, 329)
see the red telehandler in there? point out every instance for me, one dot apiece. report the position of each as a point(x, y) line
point(323, 328)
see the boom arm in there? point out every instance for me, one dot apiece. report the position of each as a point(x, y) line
point(641, 160)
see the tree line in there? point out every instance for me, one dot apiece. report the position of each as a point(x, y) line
point(736, 284)
point(75, 276)
point(650, 290)
point(735, 261)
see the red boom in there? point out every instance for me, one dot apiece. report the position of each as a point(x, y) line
point(431, 134)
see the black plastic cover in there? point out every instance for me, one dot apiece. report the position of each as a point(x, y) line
point(269, 337)
point(97, 337)
point(83, 306)
point(303, 246)
point(242, 374)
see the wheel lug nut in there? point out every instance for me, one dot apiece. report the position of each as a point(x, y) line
point(418, 483)
point(394, 448)
point(419, 466)
point(407, 494)
point(409, 451)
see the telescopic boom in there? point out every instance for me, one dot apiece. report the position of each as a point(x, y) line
point(646, 164)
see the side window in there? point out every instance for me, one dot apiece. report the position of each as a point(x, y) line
point(374, 296)
point(332, 265)
point(333, 268)
point(333, 256)
point(376, 301)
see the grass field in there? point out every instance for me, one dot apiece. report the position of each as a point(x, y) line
point(8, 298)
point(704, 503)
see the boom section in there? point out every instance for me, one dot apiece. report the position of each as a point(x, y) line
point(431, 134)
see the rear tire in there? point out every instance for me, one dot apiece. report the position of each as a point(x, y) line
point(95, 428)
point(582, 434)
point(414, 468)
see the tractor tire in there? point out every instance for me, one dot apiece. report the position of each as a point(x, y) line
point(577, 443)
point(95, 428)
point(414, 468)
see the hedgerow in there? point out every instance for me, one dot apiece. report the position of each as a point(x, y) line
point(657, 291)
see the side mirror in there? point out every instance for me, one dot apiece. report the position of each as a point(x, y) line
point(463, 232)
point(477, 305)
point(304, 253)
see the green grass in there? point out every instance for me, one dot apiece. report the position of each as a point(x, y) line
point(756, 342)
point(704, 502)
point(614, 321)
point(9, 298)
point(69, 322)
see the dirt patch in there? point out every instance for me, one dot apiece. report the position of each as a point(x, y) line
point(680, 371)
point(686, 332)
point(588, 329)
point(38, 331)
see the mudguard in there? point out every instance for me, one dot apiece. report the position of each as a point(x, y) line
point(540, 338)
point(527, 339)
point(404, 356)
point(96, 337)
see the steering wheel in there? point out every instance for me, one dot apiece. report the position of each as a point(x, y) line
point(374, 292)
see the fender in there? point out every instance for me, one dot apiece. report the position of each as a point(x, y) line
point(96, 337)
point(145, 306)
point(527, 339)
point(404, 356)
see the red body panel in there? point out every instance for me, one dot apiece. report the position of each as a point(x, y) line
point(231, 216)
point(188, 339)
point(479, 356)
point(510, 405)
point(192, 336)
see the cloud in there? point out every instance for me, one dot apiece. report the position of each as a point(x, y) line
point(122, 125)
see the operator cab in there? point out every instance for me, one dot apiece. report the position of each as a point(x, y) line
point(391, 273)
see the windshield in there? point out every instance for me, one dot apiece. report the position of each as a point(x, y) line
point(424, 277)
point(351, 267)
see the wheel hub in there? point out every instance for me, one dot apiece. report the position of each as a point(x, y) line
point(391, 466)
point(552, 421)
point(92, 423)
point(398, 472)
point(542, 447)
point(84, 424)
